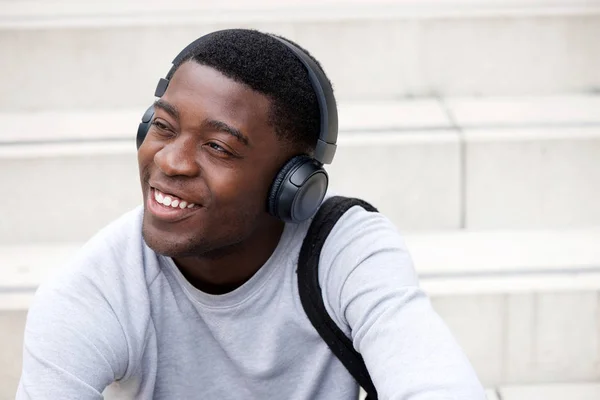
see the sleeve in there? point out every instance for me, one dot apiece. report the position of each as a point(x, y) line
point(372, 292)
point(74, 345)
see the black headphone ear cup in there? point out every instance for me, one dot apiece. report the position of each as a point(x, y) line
point(281, 176)
point(144, 126)
point(298, 189)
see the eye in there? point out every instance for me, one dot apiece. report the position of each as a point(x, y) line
point(216, 147)
point(160, 125)
point(161, 129)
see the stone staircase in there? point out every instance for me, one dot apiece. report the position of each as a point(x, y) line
point(474, 125)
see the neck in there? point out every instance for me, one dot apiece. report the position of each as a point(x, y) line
point(222, 271)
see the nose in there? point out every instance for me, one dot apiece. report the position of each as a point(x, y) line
point(178, 158)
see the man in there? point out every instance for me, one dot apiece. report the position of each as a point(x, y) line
point(194, 295)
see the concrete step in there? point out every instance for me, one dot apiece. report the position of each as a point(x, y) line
point(103, 54)
point(52, 126)
point(523, 305)
point(555, 391)
point(89, 170)
point(432, 164)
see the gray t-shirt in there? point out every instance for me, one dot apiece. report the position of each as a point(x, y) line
point(123, 316)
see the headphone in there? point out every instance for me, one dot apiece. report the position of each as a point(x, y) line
point(300, 185)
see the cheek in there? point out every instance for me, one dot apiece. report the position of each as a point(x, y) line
point(145, 154)
point(145, 157)
point(143, 163)
point(240, 187)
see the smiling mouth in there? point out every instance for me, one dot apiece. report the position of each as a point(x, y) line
point(167, 207)
point(169, 200)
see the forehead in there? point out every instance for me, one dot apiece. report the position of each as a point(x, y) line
point(200, 91)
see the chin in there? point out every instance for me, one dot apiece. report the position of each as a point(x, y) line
point(168, 246)
point(163, 247)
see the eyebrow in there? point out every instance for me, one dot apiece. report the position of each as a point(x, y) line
point(209, 123)
point(223, 127)
point(168, 107)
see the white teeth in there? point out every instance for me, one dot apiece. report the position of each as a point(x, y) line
point(171, 200)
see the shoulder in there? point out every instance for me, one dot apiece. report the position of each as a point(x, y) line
point(359, 234)
point(104, 267)
point(363, 251)
point(120, 237)
point(85, 311)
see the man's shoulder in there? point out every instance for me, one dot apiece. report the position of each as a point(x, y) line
point(363, 227)
point(119, 241)
point(112, 253)
point(357, 235)
point(118, 235)
point(361, 243)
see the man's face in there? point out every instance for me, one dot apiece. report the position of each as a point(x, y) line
point(211, 145)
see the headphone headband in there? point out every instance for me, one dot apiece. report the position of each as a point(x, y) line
point(326, 144)
point(328, 129)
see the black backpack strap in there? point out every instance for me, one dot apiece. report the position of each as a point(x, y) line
point(310, 291)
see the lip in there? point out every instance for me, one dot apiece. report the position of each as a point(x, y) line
point(167, 213)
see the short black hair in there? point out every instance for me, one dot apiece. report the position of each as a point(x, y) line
point(267, 66)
